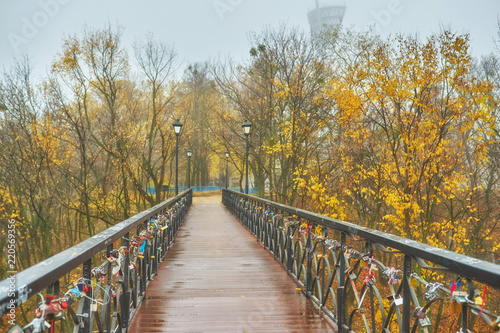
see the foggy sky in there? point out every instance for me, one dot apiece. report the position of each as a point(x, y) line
point(201, 29)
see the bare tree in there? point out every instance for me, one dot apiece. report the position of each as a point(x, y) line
point(157, 62)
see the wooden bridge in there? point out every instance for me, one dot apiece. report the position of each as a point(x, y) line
point(191, 266)
point(218, 278)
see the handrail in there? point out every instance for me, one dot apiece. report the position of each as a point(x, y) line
point(32, 280)
point(466, 266)
point(291, 234)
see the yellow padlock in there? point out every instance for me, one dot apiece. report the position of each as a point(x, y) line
point(495, 325)
point(455, 307)
point(478, 300)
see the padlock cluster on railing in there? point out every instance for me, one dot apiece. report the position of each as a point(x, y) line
point(371, 281)
point(105, 297)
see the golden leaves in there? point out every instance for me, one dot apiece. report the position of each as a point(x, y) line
point(408, 112)
point(324, 201)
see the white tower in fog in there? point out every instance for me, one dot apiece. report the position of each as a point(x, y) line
point(326, 15)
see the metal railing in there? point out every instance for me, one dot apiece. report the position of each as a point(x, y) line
point(335, 264)
point(107, 295)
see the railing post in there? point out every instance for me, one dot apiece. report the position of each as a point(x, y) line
point(249, 215)
point(144, 264)
point(341, 288)
point(465, 308)
point(125, 306)
point(177, 220)
point(289, 245)
point(171, 233)
point(309, 264)
point(108, 283)
point(406, 295)
point(87, 275)
point(109, 248)
point(275, 238)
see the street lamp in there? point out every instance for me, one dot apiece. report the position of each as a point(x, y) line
point(177, 129)
point(227, 164)
point(189, 153)
point(246, 130)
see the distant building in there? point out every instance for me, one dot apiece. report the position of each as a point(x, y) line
point(326, 15)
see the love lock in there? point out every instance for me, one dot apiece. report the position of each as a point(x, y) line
point(431, 293)
point(98, 273)
point(369, 277)
point(393, 275)
point(37, 325)
point(460, 296)
point(119, 278)
point(423, 320)
point(419, 313)
point(16, 329)
point(114, 253)
point(81, 318)
point(52, 309)
point(82, 286)
point(429, 297)
point(495, 325)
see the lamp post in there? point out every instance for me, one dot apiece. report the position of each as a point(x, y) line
point(227, 167)
point(246, 130)
point(177, 129)
point(189, 153)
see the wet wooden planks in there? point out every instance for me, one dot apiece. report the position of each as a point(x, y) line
point(218, 278)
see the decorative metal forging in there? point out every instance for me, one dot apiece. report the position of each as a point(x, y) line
point(105, 297)
point(371, 281)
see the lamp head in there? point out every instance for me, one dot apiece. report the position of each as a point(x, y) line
point(177, 127)
point(246, 127)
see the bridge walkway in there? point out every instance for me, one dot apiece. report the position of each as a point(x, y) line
point(218, 278)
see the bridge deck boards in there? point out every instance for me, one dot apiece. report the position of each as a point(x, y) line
point(218, 278)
